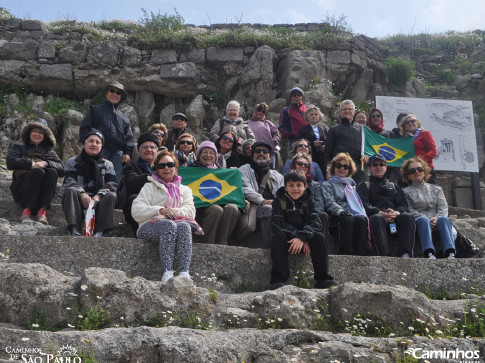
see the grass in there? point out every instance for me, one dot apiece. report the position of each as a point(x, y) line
point(39, 320)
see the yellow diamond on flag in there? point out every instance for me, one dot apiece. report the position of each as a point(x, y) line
point(389, 152)
point(210, 188)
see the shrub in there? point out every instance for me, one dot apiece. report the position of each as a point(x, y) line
point(399, 71)
point(5, 14)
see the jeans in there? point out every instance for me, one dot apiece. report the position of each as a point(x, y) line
point(443, 224)
point(116, 157)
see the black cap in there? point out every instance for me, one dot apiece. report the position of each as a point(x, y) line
point(94, 132)
point(377, 157)
point(147, 137)
point(181, 115)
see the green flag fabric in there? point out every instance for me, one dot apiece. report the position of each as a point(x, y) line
point(395, 151)
point(214, 186)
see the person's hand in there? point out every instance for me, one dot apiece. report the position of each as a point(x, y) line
point(267, 201)
point(433, 223)
point(169, 213)
point(345, 213)
point(365, 159)
point(296, 245)
point(40, 164)
point(156, 218)
point(248, 205)
point(306, 248)
point(96, 198)
point(392, 215)
point(126, 159)
point(85, 200)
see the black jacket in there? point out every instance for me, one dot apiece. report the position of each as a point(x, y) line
point(381, 195)
point(134, 177)
point(307, 133)
point(343, 138)
point(112, 123)
point(300, 220)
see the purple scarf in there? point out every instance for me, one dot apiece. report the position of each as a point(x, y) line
point(173, 191)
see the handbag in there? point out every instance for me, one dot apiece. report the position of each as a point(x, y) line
point(464, 247)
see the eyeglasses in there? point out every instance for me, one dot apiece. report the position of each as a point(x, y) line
point(185, 142)
point(178, 119)
point(156, 132)
point(170, 165)
point(347, 109)
point(303, 145)
point(376, 116)
point(259, 151)
point(340, 166)
point(208, 152)
point(419, 169)
point(118, 92)
point(296, 95)
point(227, 138)
point(151, 147)
point(300, 163)
point(375, 165)
point(409, 122)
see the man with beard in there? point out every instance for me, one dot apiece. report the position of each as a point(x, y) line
point(260, 184)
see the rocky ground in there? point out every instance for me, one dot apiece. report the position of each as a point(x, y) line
point(54, 289)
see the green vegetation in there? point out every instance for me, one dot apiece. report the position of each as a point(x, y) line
point(445, 75)
point(301, 280)
point(92, 319)
point(5, 13)
point(399, 71)
point(39, 320)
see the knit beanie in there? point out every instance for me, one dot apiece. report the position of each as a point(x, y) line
point(205, 145)
point(94, 132)
point(147, 137)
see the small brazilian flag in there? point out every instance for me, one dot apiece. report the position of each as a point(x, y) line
point(214, 186)
point(395, 151)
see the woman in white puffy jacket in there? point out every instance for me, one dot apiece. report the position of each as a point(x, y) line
point(164, 208)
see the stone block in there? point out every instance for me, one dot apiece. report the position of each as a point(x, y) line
point(75, 53)
point(56, 71)
point(463, 197)
point(46, 50)
point(31, 25)
point(130, 57)
point(338, 57)
point(23, 51)
point(196, 55)
point(11, 69)
point(163, 56)
point(13, 23)
point(223, 55)
point(104, 54)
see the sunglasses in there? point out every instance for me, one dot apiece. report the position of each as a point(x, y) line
point(409, 122)
point(119, 93)
point(303, 145)
point(376, 116)
point(227, 138)
point(259, 151)
point(347, 109)
point(170, 165)
point(299, 163)
point(340, 166)
point(178, 119)
point(375, 165)
point(419, 169)
point(185, 142)
point(156, 132)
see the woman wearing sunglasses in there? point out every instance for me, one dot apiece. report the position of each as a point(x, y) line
point(424, 144)
point(165, 211)
point(185, 149)
point(114, 125)
point(226, 146)
point(303, 146)
point(427, 204)
point(343, 204)
point(376, 122)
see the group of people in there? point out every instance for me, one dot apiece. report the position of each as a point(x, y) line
point(295, 211)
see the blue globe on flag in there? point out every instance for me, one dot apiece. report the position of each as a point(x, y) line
point(388, 152)
point(210, 189)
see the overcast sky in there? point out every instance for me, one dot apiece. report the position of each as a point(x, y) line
point(374, 18)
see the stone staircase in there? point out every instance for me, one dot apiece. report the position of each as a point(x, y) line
point(226, 312)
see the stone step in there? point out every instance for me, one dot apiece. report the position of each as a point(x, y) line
point(239, 268)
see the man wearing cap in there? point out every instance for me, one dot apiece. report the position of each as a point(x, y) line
point(180, 125)
point(135, 175)
point(292, 117)
point(88, 178)
point(260, 184)
point(114, 125)
point(387, 209)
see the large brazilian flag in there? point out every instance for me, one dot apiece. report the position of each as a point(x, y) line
point(395, 151)
point(214, 186)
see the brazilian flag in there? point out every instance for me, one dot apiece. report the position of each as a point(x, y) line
point(214, 186)
point(395, 151)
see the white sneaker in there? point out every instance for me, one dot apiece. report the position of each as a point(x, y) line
point(185, 274)
point(167, 275)
point(406, 255)
point(431, 256)
point(98, 234)
point(451, 256)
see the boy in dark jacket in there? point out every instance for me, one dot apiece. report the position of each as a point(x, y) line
point(296, 228)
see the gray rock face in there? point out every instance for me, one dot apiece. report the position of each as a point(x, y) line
point(75, 53)
point(47, 51)
point(224, 55)
point(59, 72)
point(180, 79)
point(164, 56)
point(70, 140)
point(130, 56)
point(196, 55)
point(23, 51)
point(145, 103)
point(10, 70)
point(196, 114)
point(104, 54)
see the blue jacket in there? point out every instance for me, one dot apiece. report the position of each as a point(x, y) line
point(112, 123)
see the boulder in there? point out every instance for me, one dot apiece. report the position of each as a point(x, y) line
point(71, 146)
point(75, 53)
point(46, 51)
point(224, 55)
point(10, 70)
point(130, 56)
point(105, 54)
point(164, 56)
point(145, 104)
point(180, 79)
point(195, 113)
point(22, 51)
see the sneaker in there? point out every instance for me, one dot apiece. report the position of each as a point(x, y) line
point(406, 255)
point(26, 219)
point(185, 274)
point(42, 219)
point(324, 284)
point(98, 234)
point(431, 256)
point(167, 275)
point(451, 256)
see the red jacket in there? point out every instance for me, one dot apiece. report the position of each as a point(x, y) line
point(292, 120)
point(425, 147)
